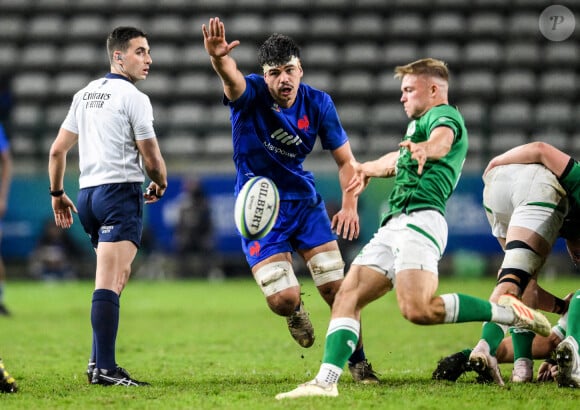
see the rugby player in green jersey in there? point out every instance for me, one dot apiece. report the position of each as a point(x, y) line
point(404, 253)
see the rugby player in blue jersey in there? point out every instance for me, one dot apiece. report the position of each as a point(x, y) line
point(276, 121)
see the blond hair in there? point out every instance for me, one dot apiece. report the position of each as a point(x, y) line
point(426, 66)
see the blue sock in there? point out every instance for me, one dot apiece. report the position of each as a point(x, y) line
point(93, 358)
point(105, 321)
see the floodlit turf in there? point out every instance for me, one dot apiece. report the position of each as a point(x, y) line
point(205, 345)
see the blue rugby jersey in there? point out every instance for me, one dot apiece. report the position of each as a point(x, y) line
point(272, 141)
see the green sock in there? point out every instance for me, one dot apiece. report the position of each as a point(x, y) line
point(341, 341)
point(493, 334)
point(522, 341)
point(472, 309)
point(574, 317)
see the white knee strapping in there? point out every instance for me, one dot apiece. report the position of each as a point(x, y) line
point(275, 277)
point(326, 267)
point(522, 259)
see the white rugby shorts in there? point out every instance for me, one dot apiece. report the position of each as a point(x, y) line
point(414, 241)
point(524, 195)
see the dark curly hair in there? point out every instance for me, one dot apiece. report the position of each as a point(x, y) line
point(277, 50)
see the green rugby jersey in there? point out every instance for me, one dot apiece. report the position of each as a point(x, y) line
point(432, 189)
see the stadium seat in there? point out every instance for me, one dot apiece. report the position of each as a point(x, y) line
point(362, 53)
point(8, 56)
point(67, 83)
point(353, 115)
point(246, 55)
point(184, 115)
point(165, 27)
point(553, 136)
point(31, 85)
point(388, 86)
point(556, 113)
point(485, 25)
point(562, 54)
point(321, 79)
point(130, 19)
point(244, 25)
point(406, 25)
point(85, 56)
point(11, 27)
point(447, 51)
point(158, 85)
point(182, 145)
point(39, 56)
point(27, 116)
point(502, 141)
point(522, 53)
point(16, 6)
point(574, 145)
point(365, 25)
point(447, 24)
point(195, 56)
point(218, 117)
point(320, 54)
point(511, 114)
point(399, 52)
point(387, 115)
point(47, 27)
point(55, 115)
point(523, 24)
point(290, 24)
point(560, 83)
point(166, 56)
point(325, 26)
point(515, 83)
point(381, 143)
point(477, 83)
point(355, 83)
point(219, 144)
point(23, 144)
point(91, 6)
point(474, 113)
point(90, 26)
point(484, 53)
point(197, 84)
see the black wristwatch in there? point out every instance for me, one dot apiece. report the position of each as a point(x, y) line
point(58, 193)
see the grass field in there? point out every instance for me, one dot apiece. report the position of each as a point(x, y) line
point(207, 345)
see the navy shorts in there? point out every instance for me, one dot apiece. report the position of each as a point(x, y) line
point(300, 225)
point(112, 212)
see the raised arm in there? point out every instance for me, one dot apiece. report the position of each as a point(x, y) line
point(436, 147)
point(533, 153)
point(214, 40)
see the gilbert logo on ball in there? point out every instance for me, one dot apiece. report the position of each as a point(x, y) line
point(257, 207)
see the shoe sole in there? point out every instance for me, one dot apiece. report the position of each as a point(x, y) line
point(479, 363)
point(308, 391)
point(564, 358)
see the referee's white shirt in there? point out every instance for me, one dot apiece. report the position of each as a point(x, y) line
point(108, 115)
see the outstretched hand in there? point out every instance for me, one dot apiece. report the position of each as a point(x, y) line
point(214, 39)
point(359, 180)
point(418, 153)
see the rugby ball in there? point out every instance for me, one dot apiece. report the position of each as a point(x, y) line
point(257, 207)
